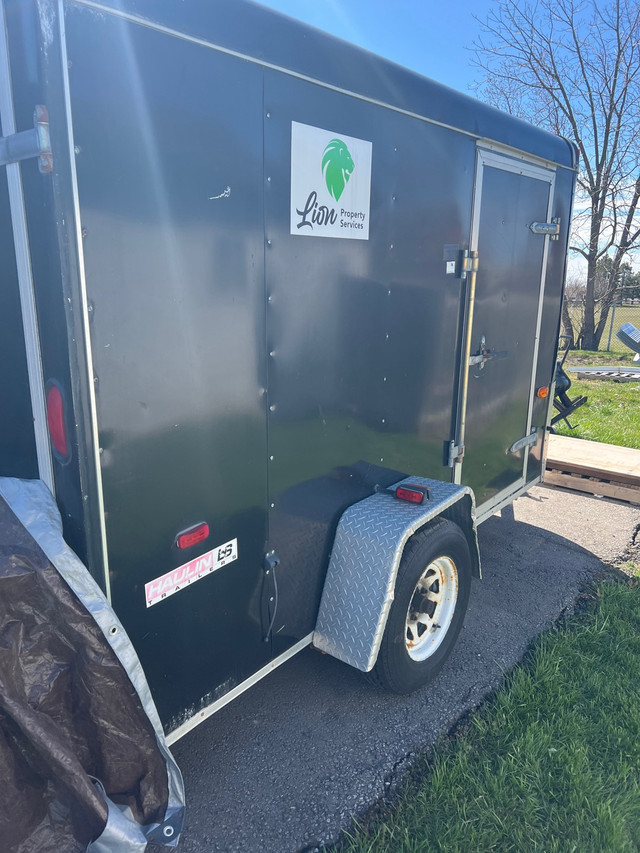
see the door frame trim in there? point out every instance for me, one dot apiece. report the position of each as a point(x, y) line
point(506, 163)
point(489, 157)
point(24, 272)
point(75, 234)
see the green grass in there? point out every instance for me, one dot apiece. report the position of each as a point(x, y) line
point(550, 765)
point(611, 413)
point(597, 358)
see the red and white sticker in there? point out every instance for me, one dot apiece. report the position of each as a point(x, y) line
point(177, 579)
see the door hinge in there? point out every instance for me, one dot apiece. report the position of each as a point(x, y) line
point(525, 441)
point(469, 263)
point(30, 143)
point(455, 454)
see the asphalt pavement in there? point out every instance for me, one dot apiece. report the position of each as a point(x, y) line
point(289, 764)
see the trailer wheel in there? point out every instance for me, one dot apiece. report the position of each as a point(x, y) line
point(431, 596)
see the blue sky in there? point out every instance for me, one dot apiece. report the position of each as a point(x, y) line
point(427, 36)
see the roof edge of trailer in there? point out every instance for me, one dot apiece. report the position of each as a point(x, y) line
point(257, 33)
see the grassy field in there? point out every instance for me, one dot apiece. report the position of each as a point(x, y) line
point(550, 765)
point(611, 413)
point(597, 358)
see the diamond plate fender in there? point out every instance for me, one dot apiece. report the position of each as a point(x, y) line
point(367, 550)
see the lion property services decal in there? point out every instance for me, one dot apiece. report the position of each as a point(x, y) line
point(189, 573)
point(330, 183)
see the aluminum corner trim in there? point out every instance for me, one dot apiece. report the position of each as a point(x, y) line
point(24, 271)
point(363, 566)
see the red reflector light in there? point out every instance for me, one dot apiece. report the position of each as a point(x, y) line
point(542, 392)
point(55, 422)
point(412, 494)
point(193, 535)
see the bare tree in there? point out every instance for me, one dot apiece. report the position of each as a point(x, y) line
point(573, 307)
point(573, 66)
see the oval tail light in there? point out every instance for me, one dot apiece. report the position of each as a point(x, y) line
point(193, 536)
point(56, 422)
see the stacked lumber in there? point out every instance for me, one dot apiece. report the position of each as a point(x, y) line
point(595, 468)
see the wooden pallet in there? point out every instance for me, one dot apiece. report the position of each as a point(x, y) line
point(595, 468)
point(613, 375)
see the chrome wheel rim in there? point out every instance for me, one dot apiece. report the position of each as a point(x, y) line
point(431, 608)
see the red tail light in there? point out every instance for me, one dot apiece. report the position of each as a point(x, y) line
point(193, 535)
point(412, 493)
point(56, 422)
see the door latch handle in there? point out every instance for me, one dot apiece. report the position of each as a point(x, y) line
point(484, 355)
point(547, 229)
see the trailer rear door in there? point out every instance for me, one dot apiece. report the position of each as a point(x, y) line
point(511, 195)
point(167, 136)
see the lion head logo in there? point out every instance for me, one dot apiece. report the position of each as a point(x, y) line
point(337, 167)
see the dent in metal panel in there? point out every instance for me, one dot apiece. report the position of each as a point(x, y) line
point(359, 588)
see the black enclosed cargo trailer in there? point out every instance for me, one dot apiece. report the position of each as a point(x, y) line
point(253, 278)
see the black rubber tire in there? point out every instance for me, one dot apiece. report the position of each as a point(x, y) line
point(395, 670)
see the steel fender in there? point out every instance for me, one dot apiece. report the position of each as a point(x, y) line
point(367, 550)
